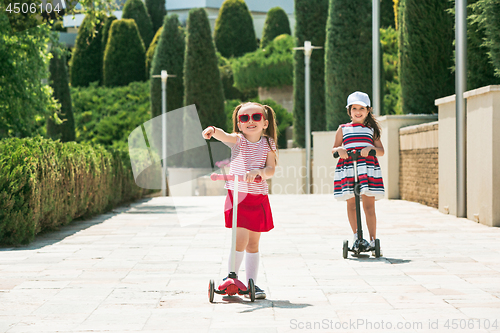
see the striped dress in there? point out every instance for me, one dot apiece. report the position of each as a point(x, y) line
point(358, 136)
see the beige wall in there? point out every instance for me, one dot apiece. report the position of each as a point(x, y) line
point(323, 166)
point(418, 170)
point(290, 174)
point(447, 155)
point(389, 163)
point(483, 155)
point(282, 95)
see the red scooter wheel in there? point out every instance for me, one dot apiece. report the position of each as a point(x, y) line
point(211, 291)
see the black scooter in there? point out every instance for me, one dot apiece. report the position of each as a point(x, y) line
point(360, 245)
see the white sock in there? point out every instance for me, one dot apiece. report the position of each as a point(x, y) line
point(355, 236)
point(239, 259)
point(252, 266)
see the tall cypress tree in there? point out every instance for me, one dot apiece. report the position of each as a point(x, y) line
point(348, 56)
point(489, 17)
point(480, 70)
point(136, 10)
point(124, 59)
point(86, 60)
point(169, 56)
point(157, 10)
point(387, 14)
point(60, 85)
point(310, 24)
point(151, 51)
point(202, 82)
point(234, 33)
point(426, 54)
point(105, 32)
point(276, 24)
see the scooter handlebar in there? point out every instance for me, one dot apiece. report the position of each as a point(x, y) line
point(356, 153)
point(216, 176)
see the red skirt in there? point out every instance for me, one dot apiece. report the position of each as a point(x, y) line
point(254, 212)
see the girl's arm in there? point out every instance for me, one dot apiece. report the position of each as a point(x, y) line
point(377, 146)
point(337, 146)
point(219, 134)
point(267, 172)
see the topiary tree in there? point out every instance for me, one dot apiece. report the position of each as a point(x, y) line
point(157, 10)
point(348, 56)
point(276, 24)
point(105, 33)
point(488, 14)
point(202, 83)
point(151, 51)
point(169, 56)
point(310, 25)
point(234, 33)
point(426, 53)
point(124, 58)
point(227, 77)
point(136, 10)
point(60, 86)
point(86, 60)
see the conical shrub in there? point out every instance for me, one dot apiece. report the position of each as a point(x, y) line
point(136, 10)
point(276, 24)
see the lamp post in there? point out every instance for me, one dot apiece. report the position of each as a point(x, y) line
point(164, 76)
point(460, 87)
point(376, 56)
point(307, 59)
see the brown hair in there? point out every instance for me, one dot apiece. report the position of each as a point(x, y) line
point(272, 129)
point(370, 121)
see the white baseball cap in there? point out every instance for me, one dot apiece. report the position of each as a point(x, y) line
point(359, 98)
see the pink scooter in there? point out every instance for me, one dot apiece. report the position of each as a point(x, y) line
point(232, 286)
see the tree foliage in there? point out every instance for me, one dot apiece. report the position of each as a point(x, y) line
point(310, 25)
point(276, 24)
point(136, 10)
point(125, 57)
point(234, 33)
point(157, 10)
point(426, 51)
point(24, 99)
point(86, 60)
point(60, 85)
point(348, 56)
point(169, 56)
point(488, 13)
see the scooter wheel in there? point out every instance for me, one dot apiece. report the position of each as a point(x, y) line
point(377, 248)
point(211, 291)
point(251, 289)
point(345, 248)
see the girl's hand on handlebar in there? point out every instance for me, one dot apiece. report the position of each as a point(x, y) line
point(365, 151)
point(250, 176)
point(208, 132)
point(342, 153)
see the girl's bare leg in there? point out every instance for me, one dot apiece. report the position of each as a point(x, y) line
point(371, 218)
point(242, 238)
point(351, 214)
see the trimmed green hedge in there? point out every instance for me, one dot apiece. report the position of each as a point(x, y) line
point(107, 115)
point(271, 67)
point(45, 184)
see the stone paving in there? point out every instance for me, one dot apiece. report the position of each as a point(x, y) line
point(146, 268)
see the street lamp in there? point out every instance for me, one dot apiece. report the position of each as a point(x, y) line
point(307, 59)
point(164, 75)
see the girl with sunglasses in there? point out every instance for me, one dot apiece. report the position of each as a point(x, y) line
point(253, 154)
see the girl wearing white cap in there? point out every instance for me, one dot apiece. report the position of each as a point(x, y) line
point(362, 133)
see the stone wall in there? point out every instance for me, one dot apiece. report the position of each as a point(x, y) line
point(419, 164)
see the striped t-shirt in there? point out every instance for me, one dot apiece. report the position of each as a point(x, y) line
point(247, 156)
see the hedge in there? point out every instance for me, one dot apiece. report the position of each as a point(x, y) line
point(271, 67)
point(45, 184)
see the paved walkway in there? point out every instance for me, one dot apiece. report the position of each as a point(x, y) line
point(140, 268)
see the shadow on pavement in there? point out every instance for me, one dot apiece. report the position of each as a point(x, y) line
point(367, 258)
point(261, 303)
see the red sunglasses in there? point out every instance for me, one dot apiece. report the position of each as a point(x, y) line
point(244, 118)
